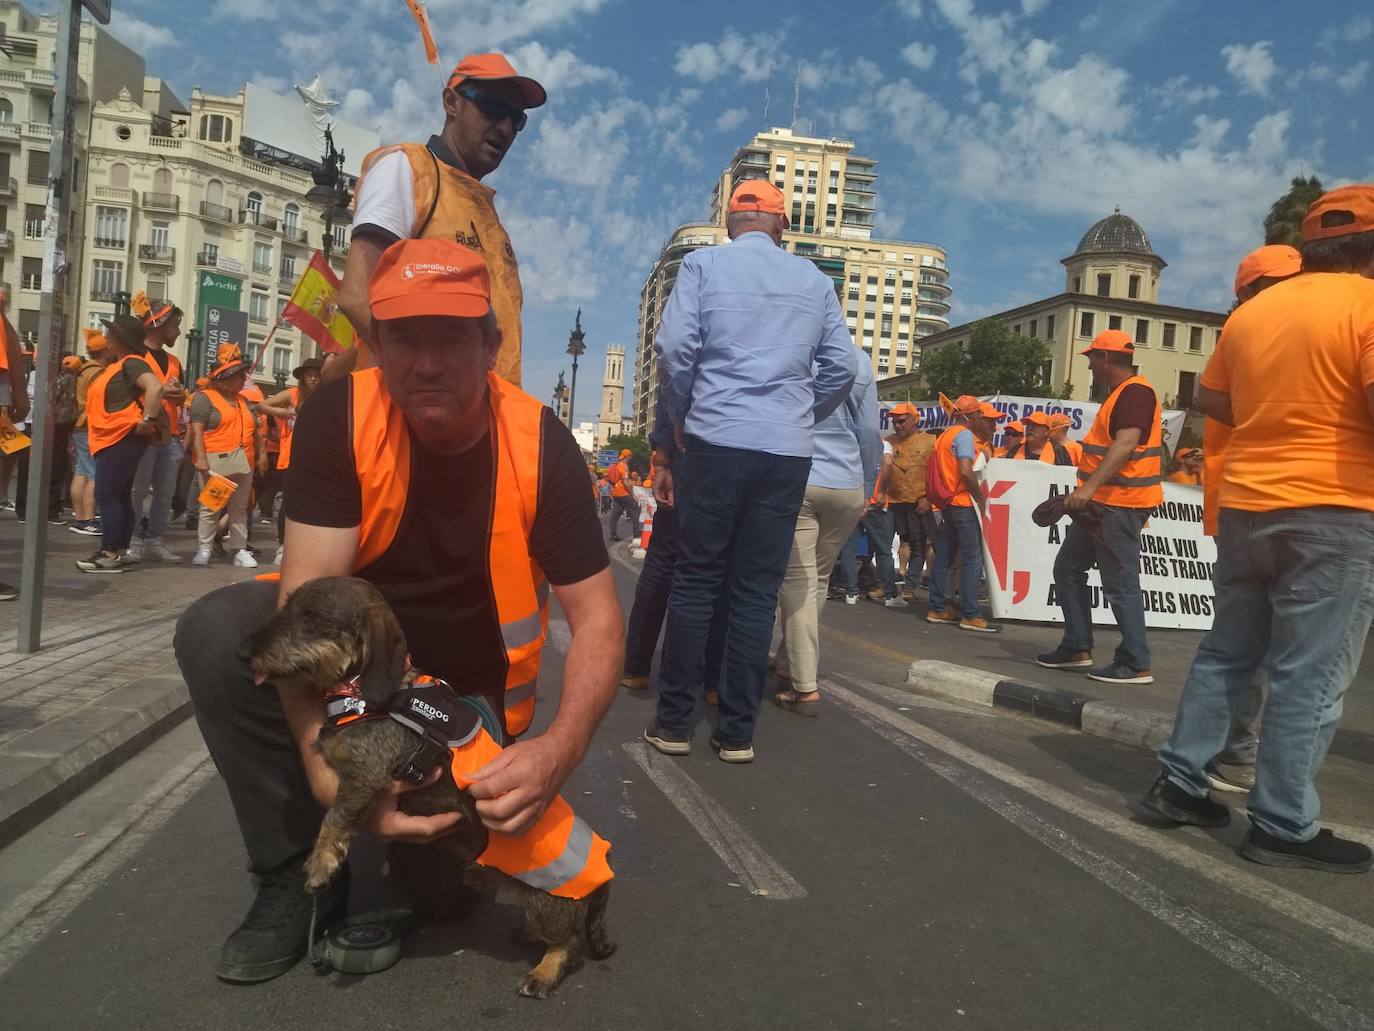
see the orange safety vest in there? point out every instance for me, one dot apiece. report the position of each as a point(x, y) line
point(176, 419)
point(285, 428)
point(1138, 484)
point(381, 456)
point(252, 393)
point(906, 480)
point(235, 429)
point(460, 208)
point(618, 476)
point(105, 429)
point(1075, 450)
point(947, 466)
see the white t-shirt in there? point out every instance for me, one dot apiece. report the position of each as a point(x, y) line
point(387, 199)
point(887, 447)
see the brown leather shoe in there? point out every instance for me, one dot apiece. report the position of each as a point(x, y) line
point(633, 683)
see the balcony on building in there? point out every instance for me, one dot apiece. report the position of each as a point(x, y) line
point(260, 320)
point(216, 212)
point(9, 133)
point(6, 239)
point(752, 164)
point(296, 235)
point(161, 201)
point(286, 282)
point(107, 296)
point(151, 254)
point(259, 269)
point(119, 194)
point(8, 186)
point(41, 79)
point(210, 259)
point(252, 217)
point(111, 243)
point(38, 130)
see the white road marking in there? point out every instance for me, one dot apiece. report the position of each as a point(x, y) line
point(33, 914)
point(1230, 949)
point(560, 635)
point(909, 700)
point(756, 869)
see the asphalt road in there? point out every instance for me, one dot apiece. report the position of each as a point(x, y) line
point(899, 862)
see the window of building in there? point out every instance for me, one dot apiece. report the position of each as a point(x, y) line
point(291, 218)
point(96, 319)
point(31, 274)
point(341, 238)
point(210, 252)
point(6, 111)
point(281, 306)
point(1142, 332)
point(1016, 329)
point(111, 227)
point(1113, 321)
point(160, 237)
point(38, 168)
point(157, 287)
point(853, 293)
point(1077, 284)
point(262, 257)
point(1104, 284)
point(119, 176)
point(162, 181)
point(35, 217)
point(214, 192)
point(1085, 324)
point(1169, 330)
point(254, 203)
point(257, 307)
point(1187, 389)
point(107, 278)
point(1195, 339)
point(281, 361)
point(1049, 327)
point(216, 128)
point(1133, 287)
point(1034, 325)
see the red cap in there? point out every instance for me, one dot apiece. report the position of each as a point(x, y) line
point(429, 277)
point(1353, 207)
point(495, 68)
point(1112, 340)
point(1275, 261)
point(1041, 419)
point(906, 408)
point(757, 195)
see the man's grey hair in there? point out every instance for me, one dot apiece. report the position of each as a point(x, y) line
point(741, 222)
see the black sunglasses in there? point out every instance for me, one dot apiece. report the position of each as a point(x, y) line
point(494, 107)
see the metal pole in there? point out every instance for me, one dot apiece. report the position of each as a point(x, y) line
point(572, 395)
point(49, 324)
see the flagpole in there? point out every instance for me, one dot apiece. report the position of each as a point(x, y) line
point(263, 349)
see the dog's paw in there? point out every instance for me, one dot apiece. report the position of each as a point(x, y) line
point(533, 986)
point(319, 871)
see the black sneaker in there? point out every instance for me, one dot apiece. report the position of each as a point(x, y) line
point(275, 934)
point(669, 742)
point(1116, 673)
point(1324, 852)
point(100, 562)
point(733, 751)
point(1065, 658)
point(1170, 802)
point(8, 592)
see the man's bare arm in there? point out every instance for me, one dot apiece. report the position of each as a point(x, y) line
point(1215, 405)
point(363, 255)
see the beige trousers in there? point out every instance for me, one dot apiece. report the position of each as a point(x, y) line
point(826, 519)
point(236, 510)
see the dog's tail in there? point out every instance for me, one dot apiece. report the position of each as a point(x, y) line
point(598, 945)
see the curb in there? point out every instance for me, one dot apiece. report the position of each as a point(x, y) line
point(1125, 724)
point(44, 768)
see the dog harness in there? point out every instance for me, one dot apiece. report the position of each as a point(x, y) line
point(560, 854)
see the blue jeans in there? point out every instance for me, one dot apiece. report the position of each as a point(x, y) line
point(1120, 583)
point(1294, 596)
point(158, 469)
point(115, 468)
point(736, 515)
point(876, 524)
point(960, 534)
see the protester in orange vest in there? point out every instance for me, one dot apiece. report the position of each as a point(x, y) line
point(83, 464)
point(158, 470)
point(283, 408)
point(622, 497)
point(1293, 375)
point(1013, 433)
point(1121, 472)
point(123, 410)
point(1038, 445)
point(464, 501)
point(224, 440)
point(1059, 434)
point(434, 191)
point(1188, 464)
point(959, 497)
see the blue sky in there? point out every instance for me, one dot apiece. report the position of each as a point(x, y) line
point(1002, 129)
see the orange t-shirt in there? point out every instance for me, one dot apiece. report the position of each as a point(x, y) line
point(618, 476)
point(1296, 361)
point(1185, 477)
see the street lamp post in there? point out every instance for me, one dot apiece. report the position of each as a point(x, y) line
point(559, 390)
point(329, 192)
point(576, 347)
point(195, 357)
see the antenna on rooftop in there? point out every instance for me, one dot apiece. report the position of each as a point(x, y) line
point(767, 96)
point(796, 97)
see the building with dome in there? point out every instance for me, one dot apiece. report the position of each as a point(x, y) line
point(1111, 281)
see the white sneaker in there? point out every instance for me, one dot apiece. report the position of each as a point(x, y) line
point(156, 551)
point(895, 603)
point(280, 552)
point(202, 557)
point(244, 559)
point(851, 599)
point(134, 552)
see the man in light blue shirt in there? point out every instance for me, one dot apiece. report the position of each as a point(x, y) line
point(753, 351)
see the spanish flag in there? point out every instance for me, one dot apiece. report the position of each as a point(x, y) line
point(314, 307)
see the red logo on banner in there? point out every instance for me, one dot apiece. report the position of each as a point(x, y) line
point(997, 532)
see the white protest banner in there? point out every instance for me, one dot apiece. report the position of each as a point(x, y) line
point(1176, 558)
point(1082, 414)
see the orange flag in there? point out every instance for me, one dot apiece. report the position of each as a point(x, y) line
point(422, 19)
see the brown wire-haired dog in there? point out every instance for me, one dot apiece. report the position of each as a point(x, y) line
point(340, 628)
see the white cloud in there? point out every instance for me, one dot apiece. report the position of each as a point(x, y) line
point(1090, 96)
point(748, 59)
point(1251, 66)
point(557, 71)
point(1354, 78)
point(140, 35)
point(732, 118)
point(471, 26)
point(919, 55)
point(553, 256)
point(1348, 80)
point(909, 8)
point(589, 150)
point(1180, 92)
point(869, 73)
point(1030, 8)
point(1356, 30)
point(247, 10)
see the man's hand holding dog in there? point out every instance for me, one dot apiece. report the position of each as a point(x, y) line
point(515, 788)
point(385, 819)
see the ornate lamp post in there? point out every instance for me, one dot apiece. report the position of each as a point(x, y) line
point(121, 302)
point(560, 389)
point(195, 356)
point(329, 192)
point(576, 347)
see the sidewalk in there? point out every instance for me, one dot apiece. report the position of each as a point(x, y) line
point(105, 682)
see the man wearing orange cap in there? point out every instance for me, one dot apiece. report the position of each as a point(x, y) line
point(959, 497)
point(1122, 472)
point(464, 502)
point(753, 351)
point(622, 495)
point(1013, 434)
point(86, 521)
point(158, 470)
point(912, 519)
point(1059, 434)
point(435, 191)
point(1293, 375)
point(1037, 445)
point(1188, 467)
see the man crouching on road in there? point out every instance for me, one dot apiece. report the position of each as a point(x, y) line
point(415, 476)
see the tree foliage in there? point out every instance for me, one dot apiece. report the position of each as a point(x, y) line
point(1283, 224)
point(996, 361)
point(639, 449)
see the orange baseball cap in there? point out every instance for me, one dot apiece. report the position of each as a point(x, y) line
point(991, 412)
point(1014, 427)
point(1041, 419)
point(1353, 207)
point(1275, 261)
point(96, 341)
point(429, 277)
point(757, 195)
point(495, 68)
point(1060, 421)
point(906, 408)
point(71, 363)
point(1112, 340)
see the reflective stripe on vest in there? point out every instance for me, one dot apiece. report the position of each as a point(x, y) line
point(235, 429)
point(381, 456)
point(175, 413)
point(1138, 483)
point(560, 854)
point(105, 429)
